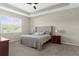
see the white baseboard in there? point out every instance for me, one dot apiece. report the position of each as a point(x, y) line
point(70, 43)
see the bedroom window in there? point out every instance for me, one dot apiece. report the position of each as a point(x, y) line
point(10, 24)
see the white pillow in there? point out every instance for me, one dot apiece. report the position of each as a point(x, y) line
point(36, 33)
point(39, 33)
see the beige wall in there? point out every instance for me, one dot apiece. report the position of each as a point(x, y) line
point(25, 26)
point(66, 21)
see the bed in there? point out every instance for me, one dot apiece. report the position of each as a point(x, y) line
point(37, 40)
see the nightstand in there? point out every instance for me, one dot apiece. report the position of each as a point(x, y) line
point(56, 39)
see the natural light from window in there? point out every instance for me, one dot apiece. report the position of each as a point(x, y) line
point(10, 24)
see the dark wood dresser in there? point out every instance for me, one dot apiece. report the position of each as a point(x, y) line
point(4, 47)
point(56, 39)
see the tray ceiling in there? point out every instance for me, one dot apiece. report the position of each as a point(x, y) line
point(42, 8)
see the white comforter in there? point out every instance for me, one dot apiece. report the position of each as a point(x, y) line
point(35, 41)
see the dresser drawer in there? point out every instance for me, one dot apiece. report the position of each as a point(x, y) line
point(4, 43)
point(4, 48)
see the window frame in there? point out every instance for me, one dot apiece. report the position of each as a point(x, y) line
point(1, 25)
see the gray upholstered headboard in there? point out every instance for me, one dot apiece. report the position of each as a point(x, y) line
point(44, 29)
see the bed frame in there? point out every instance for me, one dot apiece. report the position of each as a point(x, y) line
point(43, 29)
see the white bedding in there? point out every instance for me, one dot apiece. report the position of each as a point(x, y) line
point(35, 40)
point(36, 36)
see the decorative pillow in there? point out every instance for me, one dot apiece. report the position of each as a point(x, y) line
point(47, 32)
point(42, 33)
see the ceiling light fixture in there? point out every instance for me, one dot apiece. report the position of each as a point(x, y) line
point(33, 4)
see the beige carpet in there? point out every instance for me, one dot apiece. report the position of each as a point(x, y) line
point(49, 49)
